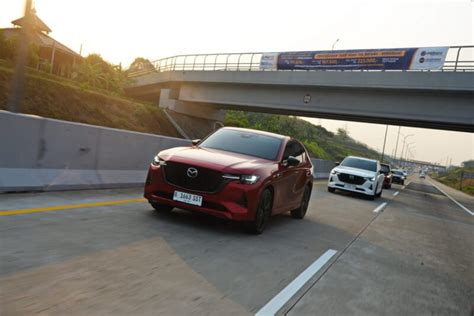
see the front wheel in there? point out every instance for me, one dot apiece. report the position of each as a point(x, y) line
point(262, 216)
point(161, 207)
point(300, 212)
point(332, 190)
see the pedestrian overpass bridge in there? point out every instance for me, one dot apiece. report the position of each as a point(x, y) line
point(204, 85)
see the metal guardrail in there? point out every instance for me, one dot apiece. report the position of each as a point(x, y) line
point(456, 61)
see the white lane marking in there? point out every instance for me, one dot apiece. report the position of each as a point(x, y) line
point(380, 207)
point(276, 303)
point(459, 204)
point(396, 193)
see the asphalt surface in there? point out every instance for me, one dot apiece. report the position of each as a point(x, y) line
point(413, 258)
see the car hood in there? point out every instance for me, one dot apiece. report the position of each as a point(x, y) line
point(355, 171)
point(214, 159)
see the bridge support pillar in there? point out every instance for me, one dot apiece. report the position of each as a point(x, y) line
point(195, 118)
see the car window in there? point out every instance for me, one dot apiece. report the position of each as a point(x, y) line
point(385, 168)
point(353, 162)
point(243, 142)
point(294, 149)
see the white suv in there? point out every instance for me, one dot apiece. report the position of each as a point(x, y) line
point(359, 175)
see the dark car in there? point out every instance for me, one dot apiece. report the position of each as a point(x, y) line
point(398, 177)
point(238, 174)
point(387, 171)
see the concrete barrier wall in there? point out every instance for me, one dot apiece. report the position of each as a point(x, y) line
point(45, 154)
point(322, 168)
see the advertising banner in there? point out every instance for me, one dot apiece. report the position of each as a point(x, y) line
point(430, 58)
point(269, 61)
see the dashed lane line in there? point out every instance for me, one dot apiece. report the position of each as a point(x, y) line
point(396, 193)
point(276, 303)
point(68, 207)
point(380, 207)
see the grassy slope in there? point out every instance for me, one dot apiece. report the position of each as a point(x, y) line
point(66, 101)
point(453, 179)
point(320, 142)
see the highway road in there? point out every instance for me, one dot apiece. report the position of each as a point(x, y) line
point(410, 252)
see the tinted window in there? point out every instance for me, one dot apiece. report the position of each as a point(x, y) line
point(294, 149)
point(243, 142)
point(398, 172)
point(385, 168)
point(359, 164)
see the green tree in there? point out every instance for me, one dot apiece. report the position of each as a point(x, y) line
point(141, 64)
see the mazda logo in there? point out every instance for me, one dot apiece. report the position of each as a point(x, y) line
point(192, 172)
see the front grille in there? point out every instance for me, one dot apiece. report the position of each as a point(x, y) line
point(349, 178)
point(207, 180)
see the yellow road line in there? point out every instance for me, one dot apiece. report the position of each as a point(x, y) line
point(68, 207)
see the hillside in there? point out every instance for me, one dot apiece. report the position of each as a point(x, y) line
point(58, 98)
point(452, 178)
point(320, 142)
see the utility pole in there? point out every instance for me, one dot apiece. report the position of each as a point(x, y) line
point(334, 44)
point(18, 82)
point(396, 145)
point(384, 142)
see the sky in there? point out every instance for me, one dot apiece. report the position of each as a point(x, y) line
point(121, 30)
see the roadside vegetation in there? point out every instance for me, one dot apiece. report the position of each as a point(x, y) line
point(320, 142)
point(58, 98)
point(452, 178)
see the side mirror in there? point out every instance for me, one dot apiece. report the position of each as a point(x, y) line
point(195, 141)
point(292, 161)
point(337, 163)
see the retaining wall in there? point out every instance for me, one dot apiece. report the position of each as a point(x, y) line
point(40, 154)
point(322, 168)
point(43, 154)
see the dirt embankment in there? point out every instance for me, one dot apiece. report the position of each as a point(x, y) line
point(66, 101)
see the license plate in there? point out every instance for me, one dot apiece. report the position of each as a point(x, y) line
point(350, 186)
point(187, 198)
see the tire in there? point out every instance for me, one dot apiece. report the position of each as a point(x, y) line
point(373, 196)
point(403, 182)
point(161, 207)
point(379, 194)
point(332, 190)
point(300, 212)
point(262, 216)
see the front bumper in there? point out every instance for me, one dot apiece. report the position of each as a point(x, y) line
point(397, 180)
point(367, 188)
point(234, 201)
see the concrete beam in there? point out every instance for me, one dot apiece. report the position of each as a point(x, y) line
point(440, 110)
point(439, 100)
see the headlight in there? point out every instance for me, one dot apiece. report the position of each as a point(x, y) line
point(333, 172)
point(370, 179)
point(157, 161)
point(249, 178)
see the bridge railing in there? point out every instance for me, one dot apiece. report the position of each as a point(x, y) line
point(458, 59)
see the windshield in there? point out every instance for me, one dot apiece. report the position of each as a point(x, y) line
point(243, 142)
point(385, 168)
point(359, 164)
point(398, 172)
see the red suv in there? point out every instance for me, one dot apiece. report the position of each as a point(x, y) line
point(238, 174)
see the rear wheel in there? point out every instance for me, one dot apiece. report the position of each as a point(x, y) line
point(262, 216)
point(300, 212)
point(161, 207)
